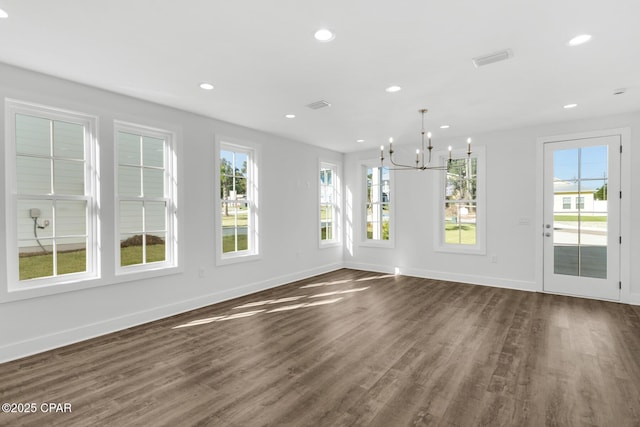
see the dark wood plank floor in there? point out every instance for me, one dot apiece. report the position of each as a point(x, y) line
point(351, 348)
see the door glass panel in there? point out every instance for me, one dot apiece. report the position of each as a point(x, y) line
point(580, 211)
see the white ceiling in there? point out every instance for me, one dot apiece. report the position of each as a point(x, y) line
point(264, 62)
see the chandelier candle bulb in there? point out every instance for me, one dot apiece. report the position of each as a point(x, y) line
point(417, 155)
point(450, 148)
point(468, 146)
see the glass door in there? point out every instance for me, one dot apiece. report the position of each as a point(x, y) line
point(582, 217)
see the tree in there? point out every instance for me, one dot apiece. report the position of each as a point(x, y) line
point(601, 193)
point(226, 182)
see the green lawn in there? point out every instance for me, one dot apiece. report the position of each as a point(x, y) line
point(464, 234)
point(228, 243)
point(385, 230)
point(584, 218)
point(35, 266)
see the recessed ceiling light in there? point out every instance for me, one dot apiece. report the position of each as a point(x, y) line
point(324, 35)
point(568, 106)
point(392, 89)
point(290, 116)
point(445, 127)
point(360, 140)
point(206, 86)
point(578, 40)
point(3, 14)
point(620, 91)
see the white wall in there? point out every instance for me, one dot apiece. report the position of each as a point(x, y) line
point(513, 173)
point(289, 229)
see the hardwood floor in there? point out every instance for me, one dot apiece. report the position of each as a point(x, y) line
point(350, 348)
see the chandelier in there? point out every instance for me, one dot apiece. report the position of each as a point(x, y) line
point(421, 163)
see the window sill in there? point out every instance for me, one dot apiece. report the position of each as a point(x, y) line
point(236, 259)
point(124, 274)
point(377, 243)
point(330, 244)
point(461, 250)
point(44, 287)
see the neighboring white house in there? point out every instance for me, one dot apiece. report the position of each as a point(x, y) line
point(570, 199)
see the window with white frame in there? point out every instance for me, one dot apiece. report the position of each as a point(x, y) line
point(52, 198)
point(378, 215)
point(566, 203)
point(145, 198)
point(461, 226)
point(238, 202)
point(329, 203)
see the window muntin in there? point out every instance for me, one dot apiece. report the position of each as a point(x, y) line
point(55, 195)
point(237, 203)
point(329, 232)
point(377, 204)
point(145, 198)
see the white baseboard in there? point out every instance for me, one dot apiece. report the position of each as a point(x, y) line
point(522, 285)
point(633, 299)
point(43, 343)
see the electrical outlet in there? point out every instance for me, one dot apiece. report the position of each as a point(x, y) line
point(201, 273)
point(494, 258)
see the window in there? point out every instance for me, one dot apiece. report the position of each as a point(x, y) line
point(53, 215)
point(377, 204)
point(566, 203)
point(461, 226)
point(329, 203)
point(579, 202)
point(238, 203)
point(145, 201)
point(460, 202)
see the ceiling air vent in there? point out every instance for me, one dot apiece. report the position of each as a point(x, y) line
point(480, 61)
point(318, 105)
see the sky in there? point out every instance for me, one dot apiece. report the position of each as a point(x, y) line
point(592, 162)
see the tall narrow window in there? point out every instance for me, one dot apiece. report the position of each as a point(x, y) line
point(460, 202)
point(238, 207)
point(55, 207)
point(329, 232)
point(378, 204)
point(145, 198)
point(461, 224)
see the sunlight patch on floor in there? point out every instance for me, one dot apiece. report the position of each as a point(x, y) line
point(386, 276)
point(269, 301)
point(310, 304)
point(336, 282)
point(348, 291)
point(241, 315)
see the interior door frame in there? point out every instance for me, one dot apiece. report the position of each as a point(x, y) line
point(625, 206)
